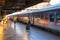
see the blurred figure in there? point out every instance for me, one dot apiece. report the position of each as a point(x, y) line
point(28, 29)
point(28, 25)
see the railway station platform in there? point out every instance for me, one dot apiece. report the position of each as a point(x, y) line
point(17, 31)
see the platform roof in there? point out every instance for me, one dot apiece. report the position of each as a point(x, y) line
point(52, 7)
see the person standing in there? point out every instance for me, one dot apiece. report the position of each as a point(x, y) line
point(28, 25)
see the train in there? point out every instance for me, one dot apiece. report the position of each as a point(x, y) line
point(47, 17)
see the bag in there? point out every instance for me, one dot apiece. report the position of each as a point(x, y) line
point(27, 27)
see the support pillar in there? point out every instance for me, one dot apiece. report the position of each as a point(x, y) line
point(55, 18)
point(49, 17)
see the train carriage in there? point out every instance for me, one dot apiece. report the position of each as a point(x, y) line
point(48, 17)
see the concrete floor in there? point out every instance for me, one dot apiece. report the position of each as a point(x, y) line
point(20, 33)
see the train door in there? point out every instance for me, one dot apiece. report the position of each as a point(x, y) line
point(52, 17)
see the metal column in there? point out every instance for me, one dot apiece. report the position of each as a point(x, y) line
point(44, 16)
point(33, 18)
point(49, 16)
point(55, 18)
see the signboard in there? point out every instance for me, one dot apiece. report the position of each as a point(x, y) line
point(9, 10)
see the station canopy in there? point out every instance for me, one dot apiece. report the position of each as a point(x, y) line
point(39, 5)
point(29, 9)
point(36, 8)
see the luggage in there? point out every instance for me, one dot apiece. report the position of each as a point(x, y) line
point(27, 27)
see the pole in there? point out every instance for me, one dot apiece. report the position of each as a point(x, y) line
point(55, 18)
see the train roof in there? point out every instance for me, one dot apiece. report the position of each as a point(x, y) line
point(56, 6)
point(52, 7)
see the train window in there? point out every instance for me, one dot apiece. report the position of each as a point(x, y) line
point(46, 16)
point(42, 16)
point(52, 17)
point(37, 20)
point(58, 18)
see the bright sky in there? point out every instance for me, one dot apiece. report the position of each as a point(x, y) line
point(52, 2)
